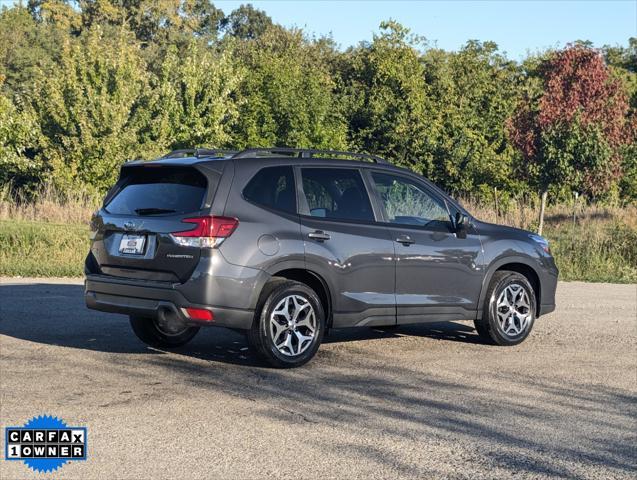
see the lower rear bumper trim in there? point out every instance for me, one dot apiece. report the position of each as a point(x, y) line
point(152, 307)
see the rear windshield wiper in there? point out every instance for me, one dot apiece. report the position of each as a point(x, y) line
point(153, 211)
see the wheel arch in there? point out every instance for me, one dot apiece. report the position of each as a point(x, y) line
point(521, 265)
point(312, 280)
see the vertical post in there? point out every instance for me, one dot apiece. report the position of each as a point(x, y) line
point(497, 209)
point(542, 209)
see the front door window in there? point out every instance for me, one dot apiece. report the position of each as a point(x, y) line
point(406, 203)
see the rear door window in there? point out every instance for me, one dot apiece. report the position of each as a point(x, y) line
point(158, 191)
point(337, 193)
point(273, 187)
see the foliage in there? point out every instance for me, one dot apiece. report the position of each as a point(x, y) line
point(154, 21)
point(18, 134)
point(623, 63)
point(287, 94)
point(247, 22)
point(25, 48)
point(87, 109)
point(475, 90)
point(87, 84)
point(386, 98)
point(628, 182)
point(571, 134)
point(192, 101)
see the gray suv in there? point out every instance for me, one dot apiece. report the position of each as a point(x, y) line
point(285, 244)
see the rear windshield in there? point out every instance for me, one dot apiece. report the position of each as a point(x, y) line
point(158, 191)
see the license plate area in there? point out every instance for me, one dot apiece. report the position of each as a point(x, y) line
point(132, 244)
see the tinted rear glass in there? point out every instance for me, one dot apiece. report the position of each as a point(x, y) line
point(273, 187)
point(159, 190)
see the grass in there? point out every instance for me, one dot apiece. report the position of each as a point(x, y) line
point(42, 249)
point(44, 238)
point(49, 237)
point(596, 252)
point(590, 243)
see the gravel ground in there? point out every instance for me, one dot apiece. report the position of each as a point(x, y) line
point(418, 401)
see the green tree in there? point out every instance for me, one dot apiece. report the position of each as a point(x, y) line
point(628, 182)
point(386, 97)
point(623, 64)
point(26, 47)
point(287, 95)
point(87, 109)
point(155, 21)
point(474, 91)
point(246, 22)
point(192, 101)
point(18, 141)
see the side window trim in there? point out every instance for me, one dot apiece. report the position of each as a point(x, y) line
point(374, 195)
point(420, 184)
point(304, 209)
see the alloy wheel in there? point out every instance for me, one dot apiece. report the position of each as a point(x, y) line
point(514, 310)
point(293, 325)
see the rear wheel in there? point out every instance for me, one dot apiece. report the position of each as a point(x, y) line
point(510, 309)
point(289, 326)
point(155, 333)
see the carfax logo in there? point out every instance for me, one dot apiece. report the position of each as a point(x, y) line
point(45, 443)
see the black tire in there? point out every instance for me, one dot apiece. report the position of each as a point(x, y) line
point(149, 332)
point(489, 327)
point(260, 337)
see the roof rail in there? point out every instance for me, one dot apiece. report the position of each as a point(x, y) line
point(305, 153)
point(200, 152)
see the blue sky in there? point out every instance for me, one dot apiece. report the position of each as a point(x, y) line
point(517, 27)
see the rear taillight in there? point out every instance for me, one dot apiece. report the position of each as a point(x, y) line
point(208, 232)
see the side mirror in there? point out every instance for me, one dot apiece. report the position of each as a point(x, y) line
point(460, 225)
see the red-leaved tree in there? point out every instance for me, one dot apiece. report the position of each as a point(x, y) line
point(571, 133)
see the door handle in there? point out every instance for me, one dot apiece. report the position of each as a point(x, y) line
point(319, 235)
point(406, 240)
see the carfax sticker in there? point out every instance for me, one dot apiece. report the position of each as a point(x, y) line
point(45, 443)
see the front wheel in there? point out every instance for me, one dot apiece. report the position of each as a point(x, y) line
point(161, 335)
point(510, 309)
point(289, 326)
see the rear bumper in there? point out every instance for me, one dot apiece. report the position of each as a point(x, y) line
point(151, 299)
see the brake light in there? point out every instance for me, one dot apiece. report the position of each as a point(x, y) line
point(208, 231)
point(199, 314)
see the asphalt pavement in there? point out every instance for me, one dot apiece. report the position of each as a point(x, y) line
point(428, 401)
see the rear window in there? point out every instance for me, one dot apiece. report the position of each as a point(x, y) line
point(273, 187)
point(158, 191)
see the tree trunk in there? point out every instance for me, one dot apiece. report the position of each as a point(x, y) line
point(542, 209)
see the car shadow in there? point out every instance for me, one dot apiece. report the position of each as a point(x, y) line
point(55, 314)
point(549, 428)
